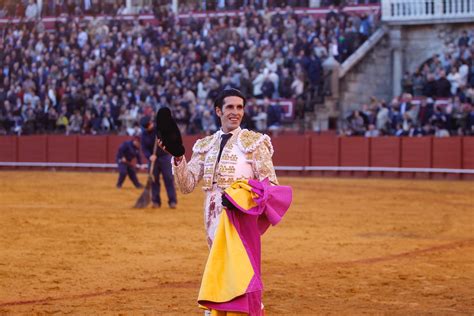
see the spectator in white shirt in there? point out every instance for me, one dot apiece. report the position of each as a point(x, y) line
point(31, 12)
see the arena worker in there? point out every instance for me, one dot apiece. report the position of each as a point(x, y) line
point(162, 165)
point(128, 151)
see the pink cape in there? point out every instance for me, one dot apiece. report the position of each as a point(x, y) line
point(268, 204)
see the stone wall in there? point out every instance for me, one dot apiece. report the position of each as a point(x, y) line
point(421, 42)
point(370, 77)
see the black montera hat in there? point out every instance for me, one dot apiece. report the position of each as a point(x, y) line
point(168, 132)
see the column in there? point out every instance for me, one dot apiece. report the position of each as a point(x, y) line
point(397, 60)
point(174, 6)
point(128, 7)
point(329, 110)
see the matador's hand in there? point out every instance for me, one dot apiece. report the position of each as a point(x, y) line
point(226, 203)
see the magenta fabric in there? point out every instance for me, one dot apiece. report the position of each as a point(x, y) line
point(273, 202)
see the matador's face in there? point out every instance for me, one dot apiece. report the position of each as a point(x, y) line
point(231, 114)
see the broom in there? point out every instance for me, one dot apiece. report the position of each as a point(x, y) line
point(145, 197)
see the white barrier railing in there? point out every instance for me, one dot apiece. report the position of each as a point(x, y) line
point(424, 10)
point(278, 168)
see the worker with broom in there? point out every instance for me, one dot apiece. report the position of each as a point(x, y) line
point(128, 151)
point(161, 165)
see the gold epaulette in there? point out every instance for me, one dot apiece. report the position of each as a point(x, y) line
point(203, 145)
point(248, 141)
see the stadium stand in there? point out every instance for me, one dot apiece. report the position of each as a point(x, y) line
point(82, 72)
point(437, 99)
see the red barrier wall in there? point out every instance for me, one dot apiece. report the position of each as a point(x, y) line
point(416, 152)
point(92, 149)
point(32, 148)
point(354, 151)
point(113, 144)
point(447, 152)
point(385, 152)
point(8, 150)
point(290, 150)
point(468, 152)
point(62, 148)
point(324, 151)
point(468, 156)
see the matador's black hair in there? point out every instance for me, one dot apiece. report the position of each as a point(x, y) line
point(229, 92)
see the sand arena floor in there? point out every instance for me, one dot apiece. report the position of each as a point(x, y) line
point(70, 243)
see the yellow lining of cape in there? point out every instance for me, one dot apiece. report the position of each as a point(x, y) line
point(228, 270)
point(241, 192)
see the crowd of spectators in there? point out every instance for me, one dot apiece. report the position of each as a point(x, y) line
point(32, 9)
point(437, 99)
point(191, 5)
point(101, 76)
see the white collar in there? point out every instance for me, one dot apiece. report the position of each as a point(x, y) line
point(233, 132)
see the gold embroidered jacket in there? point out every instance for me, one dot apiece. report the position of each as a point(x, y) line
point(247, 155)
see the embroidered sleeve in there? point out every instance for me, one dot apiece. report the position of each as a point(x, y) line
point(263, 164)
point(188, 174)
